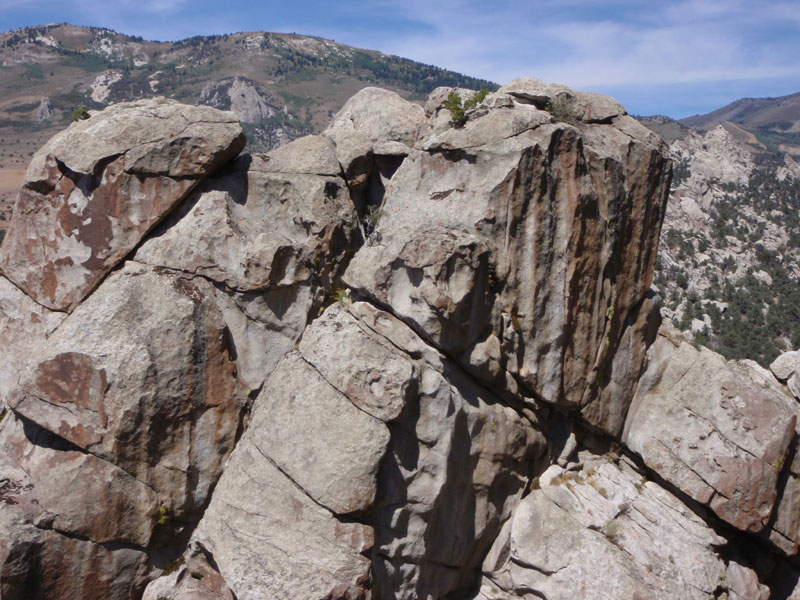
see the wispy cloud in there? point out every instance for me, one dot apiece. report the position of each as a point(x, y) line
point(156, 6)
point(613, 45)
point(683, 41)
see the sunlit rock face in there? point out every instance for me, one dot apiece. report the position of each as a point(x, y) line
point(523, 245)
point(95, 189)
point(416, 356)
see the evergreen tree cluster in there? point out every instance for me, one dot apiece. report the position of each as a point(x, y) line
point(754, 317)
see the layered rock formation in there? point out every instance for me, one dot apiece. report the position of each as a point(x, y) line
point(403, 359)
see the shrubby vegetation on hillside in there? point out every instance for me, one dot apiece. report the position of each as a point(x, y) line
point(756, 314)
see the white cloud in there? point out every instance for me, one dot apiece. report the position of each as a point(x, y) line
point(158, 6)
point(590, 44)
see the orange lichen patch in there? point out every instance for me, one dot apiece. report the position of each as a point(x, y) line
point(70, 378)
point(80, 435)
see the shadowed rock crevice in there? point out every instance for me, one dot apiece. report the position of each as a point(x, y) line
point(39, 436)
point(87, 183)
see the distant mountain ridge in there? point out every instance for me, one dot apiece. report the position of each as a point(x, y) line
point(96, 66)
point(754, 112)
point(729, 254)
point(774, 122)
point(282, 86)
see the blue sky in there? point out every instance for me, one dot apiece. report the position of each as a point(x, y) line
point(674, 57)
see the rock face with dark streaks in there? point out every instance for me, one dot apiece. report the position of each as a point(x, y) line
point(94, 190)
point(522, 246)
point(404, 359)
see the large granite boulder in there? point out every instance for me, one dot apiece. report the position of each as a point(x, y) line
point(122, 421)
point(378, 116)
point(373, 132)
point(44, 112)
point(605, 532)
point(48, 512)
point(523, 247)
point(273, 233)
point(141, 376)
point(365, 365)
point(121, 414)
point(75, 492)
point(404, 461)
point(95, 189)
point(23, 325)
point(720, 432)
point(786, 369)
point(582, 106)
point(141, 393)
point(243, 97)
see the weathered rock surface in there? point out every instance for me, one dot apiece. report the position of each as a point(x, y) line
point(605, 532)
point(301, 547)
point(94, 190)
point(379, 116)
point(472, 245)
point(274, 234)
point(54, 467)
point(368, 364)
point(729, 431)
point(396, 461)
point(198, 582)
point(37, 560)
point(140, 376)
point(268, 224)
point(583, 106)
point(23, 324)
point(373, 132)
point(786, 369)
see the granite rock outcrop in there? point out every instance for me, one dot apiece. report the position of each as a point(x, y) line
point(93, 191)
point(405, 358)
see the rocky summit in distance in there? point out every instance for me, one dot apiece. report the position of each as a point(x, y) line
point(411, 357)
point(729, 259)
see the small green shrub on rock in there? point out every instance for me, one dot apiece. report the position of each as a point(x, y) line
point(80, 114)
point(458, 110)
point(453, 104)
point(342, 296)
point(562, 111)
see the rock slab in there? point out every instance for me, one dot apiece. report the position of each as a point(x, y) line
point(95, 189)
